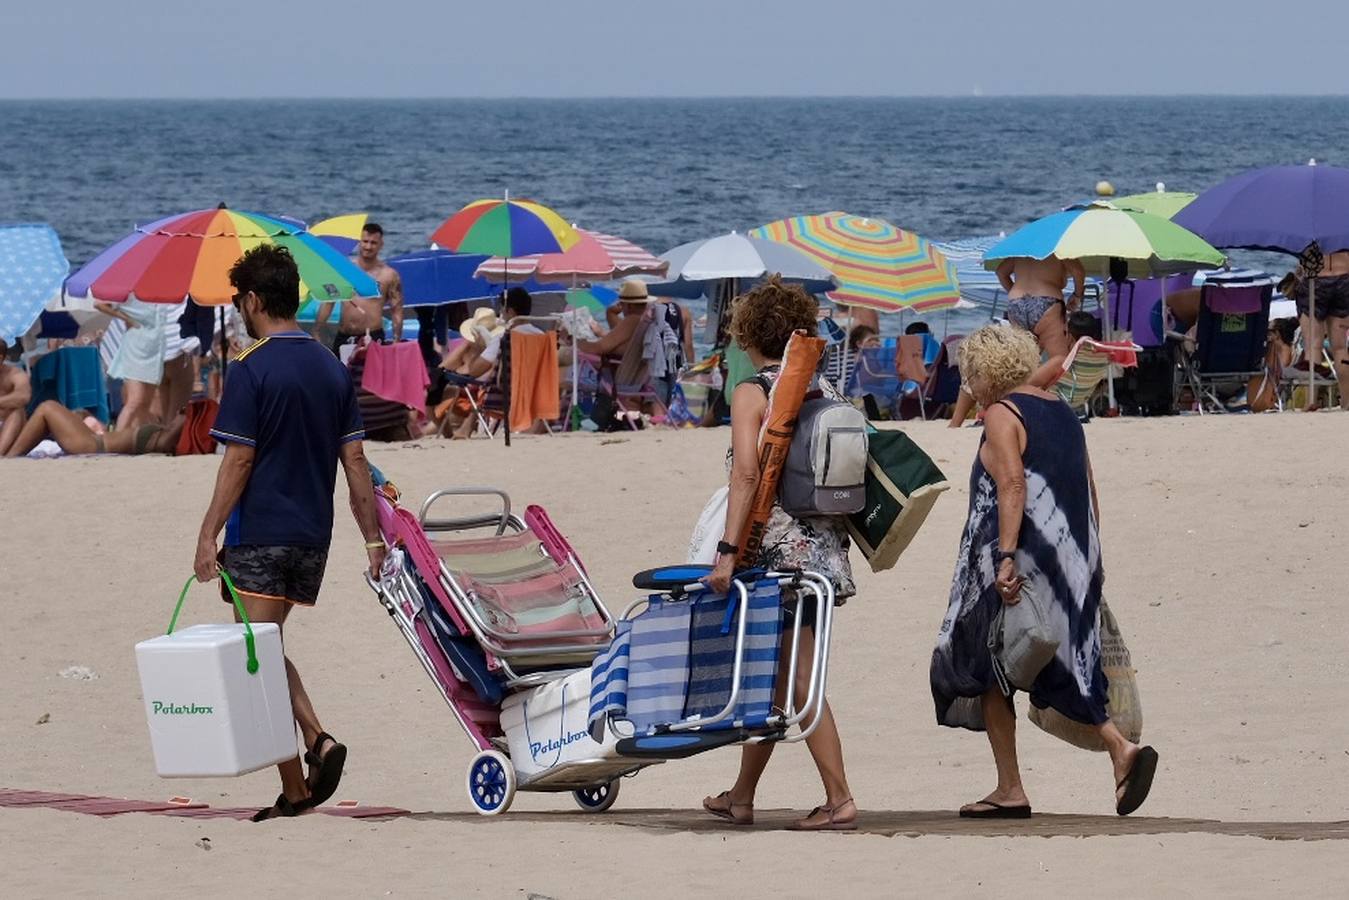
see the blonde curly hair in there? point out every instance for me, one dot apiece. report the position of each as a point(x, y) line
point(996, 360)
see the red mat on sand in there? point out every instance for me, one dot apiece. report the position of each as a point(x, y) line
point(112, 806)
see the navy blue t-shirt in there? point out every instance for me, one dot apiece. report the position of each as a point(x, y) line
point(290, 399)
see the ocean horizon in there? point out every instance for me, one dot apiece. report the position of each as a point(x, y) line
point(658, 171)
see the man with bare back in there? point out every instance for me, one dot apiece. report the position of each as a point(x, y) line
point(360, 316)
point(1035, 304)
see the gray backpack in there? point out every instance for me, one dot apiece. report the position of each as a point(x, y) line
point(826, 467)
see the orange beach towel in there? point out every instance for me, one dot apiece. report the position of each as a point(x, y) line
point(534, 379)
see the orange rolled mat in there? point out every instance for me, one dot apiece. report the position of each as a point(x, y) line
point(799, 363)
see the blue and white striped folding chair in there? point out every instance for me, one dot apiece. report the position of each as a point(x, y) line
point(609, 681)
point(712, 656)
point(658, 664)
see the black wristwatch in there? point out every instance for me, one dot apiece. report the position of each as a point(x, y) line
point(725, 549)
point(1000, 555)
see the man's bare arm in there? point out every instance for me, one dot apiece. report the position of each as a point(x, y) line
point(396, 304)
point(362, 499)
point(235, 468)
point(322, 313)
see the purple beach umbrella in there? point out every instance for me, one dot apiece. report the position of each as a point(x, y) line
point(1282, 208)
point(1302, 210)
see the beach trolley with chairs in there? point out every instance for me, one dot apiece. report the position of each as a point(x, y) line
point(555, 693)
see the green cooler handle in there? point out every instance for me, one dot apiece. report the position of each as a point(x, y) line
point(238, 607)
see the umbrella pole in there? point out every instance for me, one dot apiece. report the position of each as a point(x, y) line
point(224, 355)
point(504, 375)
point(1313, 359)
point(1111, 409)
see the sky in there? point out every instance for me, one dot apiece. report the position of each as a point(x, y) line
point(680, 48)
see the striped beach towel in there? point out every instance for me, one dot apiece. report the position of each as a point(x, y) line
point(609, 682)
point(712, 655)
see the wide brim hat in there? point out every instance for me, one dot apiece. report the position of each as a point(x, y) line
point(484, 318)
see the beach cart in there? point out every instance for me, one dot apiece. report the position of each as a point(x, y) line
point(556, 694)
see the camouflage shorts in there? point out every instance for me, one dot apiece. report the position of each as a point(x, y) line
point(291, 574)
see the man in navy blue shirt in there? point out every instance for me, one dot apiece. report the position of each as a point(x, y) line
point(287, 416)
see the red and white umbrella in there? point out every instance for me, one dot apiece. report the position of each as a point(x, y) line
point(596, 256)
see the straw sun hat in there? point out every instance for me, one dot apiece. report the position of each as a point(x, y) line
point(483, 326)
point(633, 290)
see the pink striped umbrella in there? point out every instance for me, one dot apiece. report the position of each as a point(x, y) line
point(595, 256)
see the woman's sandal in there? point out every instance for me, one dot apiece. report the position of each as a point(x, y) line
point(324, 771)
point(728, 811)
point(832, 823)
point(282, 809)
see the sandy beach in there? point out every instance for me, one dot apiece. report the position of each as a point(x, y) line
point(1220, 535)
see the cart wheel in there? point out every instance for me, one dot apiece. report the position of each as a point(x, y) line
point(491, 783)
point(597, 799)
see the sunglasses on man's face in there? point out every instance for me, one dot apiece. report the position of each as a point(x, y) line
point(238, 298)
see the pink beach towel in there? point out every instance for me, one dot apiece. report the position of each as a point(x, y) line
point(397, 373)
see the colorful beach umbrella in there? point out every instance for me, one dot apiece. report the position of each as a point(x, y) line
point(507, 228)
point(190, 255)
point(596, 298)
point(1098, 232)
point(1160, 202)
point(878, 265)
point(594, 256)
point(32, 267)
point(342, 233)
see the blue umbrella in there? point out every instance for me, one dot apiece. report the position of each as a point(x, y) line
point(32, 267)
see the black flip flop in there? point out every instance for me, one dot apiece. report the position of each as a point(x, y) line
point(281, 809)
point(995, 811)
point(1138, 782)
point(325, 772)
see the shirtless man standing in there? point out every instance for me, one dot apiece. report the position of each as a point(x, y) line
point(1330, 317)
point(15, 392)
point(1035, 304)
point(359, 316)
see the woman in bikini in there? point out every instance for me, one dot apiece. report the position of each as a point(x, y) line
point(68, 429)
point(1035, 304)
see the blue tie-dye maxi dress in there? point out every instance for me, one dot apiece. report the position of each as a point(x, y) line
point(1058, 551)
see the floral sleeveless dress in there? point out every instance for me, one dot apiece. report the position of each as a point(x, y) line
point(814, 543)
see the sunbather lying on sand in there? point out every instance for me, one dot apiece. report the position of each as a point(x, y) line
point(68, 429)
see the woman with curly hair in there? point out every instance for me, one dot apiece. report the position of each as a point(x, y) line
point(762, 321)
point(1032, 521)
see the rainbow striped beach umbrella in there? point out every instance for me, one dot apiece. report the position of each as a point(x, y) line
point(877, 265)
point(506, 228)
point(190, 255)
point(342, 233)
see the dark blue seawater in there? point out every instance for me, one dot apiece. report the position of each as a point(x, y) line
point(659, 172)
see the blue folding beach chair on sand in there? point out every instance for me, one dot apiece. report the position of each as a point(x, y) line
point(693, 670)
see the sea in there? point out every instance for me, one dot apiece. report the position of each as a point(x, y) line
point(656, 171)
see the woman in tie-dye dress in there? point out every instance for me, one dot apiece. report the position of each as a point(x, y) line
point(1032, 520)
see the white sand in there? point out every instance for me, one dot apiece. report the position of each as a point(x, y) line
point(1222, 541)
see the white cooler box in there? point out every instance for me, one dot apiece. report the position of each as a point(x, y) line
point(546, 726)
point(208, 715)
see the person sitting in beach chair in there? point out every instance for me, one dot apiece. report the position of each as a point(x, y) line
point(638, 352)
point(73, 434)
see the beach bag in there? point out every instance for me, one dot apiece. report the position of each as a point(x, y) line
point(1122, 702)
point(1021, 639)
point(826, 463)
point(902, 483)
point(196, 434)
point(710, 528)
